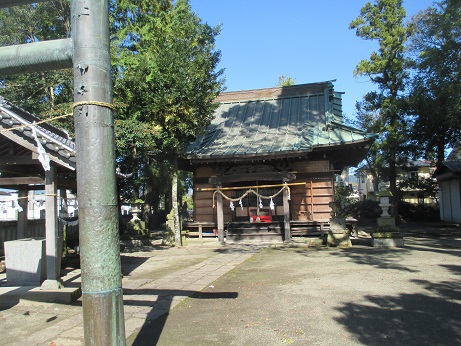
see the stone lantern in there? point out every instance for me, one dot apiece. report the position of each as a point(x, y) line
point(387, 234)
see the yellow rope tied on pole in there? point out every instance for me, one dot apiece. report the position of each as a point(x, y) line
point(75, 104)
point(251, 191)
point(94, 103)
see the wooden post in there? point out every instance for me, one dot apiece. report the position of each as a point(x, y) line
point(53, 268)
point(22, 215)
point(286, 215)
point(220, 216)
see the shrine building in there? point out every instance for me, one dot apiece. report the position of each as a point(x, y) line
point(265, 166)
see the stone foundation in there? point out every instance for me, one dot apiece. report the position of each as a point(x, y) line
point(25, 262)
point(341, 239)
point(387, 242)
point(338, 235)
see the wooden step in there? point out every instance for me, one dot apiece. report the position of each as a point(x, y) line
point(254, 232)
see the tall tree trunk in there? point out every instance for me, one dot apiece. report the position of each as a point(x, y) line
point(155, 201)
point(393, 185)
point(147, 208)
point(174, 202)
point(440, 153)
point(375, 181)
point(168, 197)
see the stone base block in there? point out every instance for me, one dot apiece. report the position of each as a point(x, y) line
point(13, 295)
point(25, 262)
point(387, 242)
point(338, 239)
point(386, 222)
point(337, 224)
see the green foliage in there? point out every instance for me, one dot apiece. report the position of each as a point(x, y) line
point(418, 212)
point(368, 118)
point(382, 21)
point(364, 210)
point(165, 84)
point(136, 226)
point(435, 94)
point(166, 73)
point(286, 81)
point(342, 194)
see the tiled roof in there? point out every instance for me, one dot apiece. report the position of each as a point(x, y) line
point(452, 166)
point(57, 143)
point(275, 122)
point(455, 154)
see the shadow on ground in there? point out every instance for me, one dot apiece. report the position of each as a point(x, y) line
point(158, 310)
point(407, 319)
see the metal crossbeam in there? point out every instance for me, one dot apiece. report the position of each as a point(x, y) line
point(36, 57)
point(11, 3)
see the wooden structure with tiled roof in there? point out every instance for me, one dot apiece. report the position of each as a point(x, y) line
point(19, 162)
point(448, 175)
point(268, 140)
point(21, 169)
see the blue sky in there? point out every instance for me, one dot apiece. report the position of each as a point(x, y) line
point(308, 40)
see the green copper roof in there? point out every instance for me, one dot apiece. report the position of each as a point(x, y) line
point(275, 122)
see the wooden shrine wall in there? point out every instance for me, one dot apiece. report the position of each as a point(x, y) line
point(309, 201)
point(203, 200)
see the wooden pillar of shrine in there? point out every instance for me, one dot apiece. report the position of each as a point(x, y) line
point(53, 267)
point(220, 215)
point(286, 215)
point(22, 215)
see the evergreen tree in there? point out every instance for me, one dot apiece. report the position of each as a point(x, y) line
point(383, 21)
point(435, 95)
point(166, 81)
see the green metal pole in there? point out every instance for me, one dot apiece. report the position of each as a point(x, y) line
point(103, 317)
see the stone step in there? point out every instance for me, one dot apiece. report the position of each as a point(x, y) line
point(254, 237)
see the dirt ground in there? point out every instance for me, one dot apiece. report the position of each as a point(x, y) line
point(328, 296)
point(277, 295)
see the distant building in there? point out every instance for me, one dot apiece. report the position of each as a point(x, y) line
point(448, 175)
point(415, 171)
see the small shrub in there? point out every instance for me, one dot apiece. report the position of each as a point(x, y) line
point(363, 210)
point(418, 212)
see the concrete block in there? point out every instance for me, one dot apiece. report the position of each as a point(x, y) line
point(25, 261)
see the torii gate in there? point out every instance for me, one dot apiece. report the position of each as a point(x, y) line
point(87, 52)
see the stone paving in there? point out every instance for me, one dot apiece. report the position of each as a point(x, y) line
point(34, 323)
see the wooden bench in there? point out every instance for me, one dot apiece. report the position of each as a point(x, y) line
point(200, 229)
point(309, 228)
